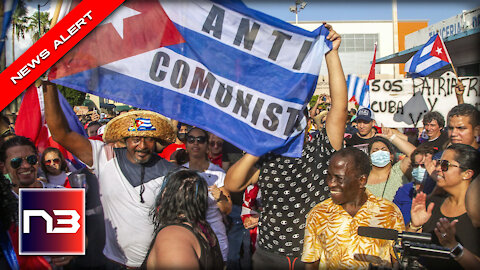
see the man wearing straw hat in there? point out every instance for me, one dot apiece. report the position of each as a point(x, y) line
point(128, 177)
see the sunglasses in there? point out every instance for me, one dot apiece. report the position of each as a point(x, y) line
point(17, 162)
point(49, 162)
point(199, 139)
point(219, 144)
point(445, 164)
point(6, 133)
point(418, 165)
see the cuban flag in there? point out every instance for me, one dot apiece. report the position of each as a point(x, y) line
point(142, 124)
point(9, 7)
point(219, 65)
point(358, 90)
point(31, 122)
point(432, 56)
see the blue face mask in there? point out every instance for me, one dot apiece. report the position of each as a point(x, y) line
point(419, 174)
point(380, 158)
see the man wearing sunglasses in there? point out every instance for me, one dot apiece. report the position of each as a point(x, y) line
point(19, 157)
point(128, 177)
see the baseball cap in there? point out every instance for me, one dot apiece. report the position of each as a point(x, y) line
point(365, 114)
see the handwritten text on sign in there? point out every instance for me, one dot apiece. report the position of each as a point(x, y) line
point(403, 102)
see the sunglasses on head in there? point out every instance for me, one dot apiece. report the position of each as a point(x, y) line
point(50, 161)
point(199, 139)
point(17, 162)
point(219, 144)
point(445, 164)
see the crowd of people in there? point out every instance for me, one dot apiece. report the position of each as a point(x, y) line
point(168, 195)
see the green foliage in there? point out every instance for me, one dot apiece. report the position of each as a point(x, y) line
point(74, 97)
point(33, 25)
point(313, 101)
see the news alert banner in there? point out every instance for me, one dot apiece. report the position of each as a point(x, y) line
point(52, 47)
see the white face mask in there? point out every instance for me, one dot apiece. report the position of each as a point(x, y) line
point(419, 174)
point(380, 158)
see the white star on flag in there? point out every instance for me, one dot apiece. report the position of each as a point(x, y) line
point(117, 17)
point(439, 50)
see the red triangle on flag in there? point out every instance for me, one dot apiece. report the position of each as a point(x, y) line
point(438, 50)
point(149, 30)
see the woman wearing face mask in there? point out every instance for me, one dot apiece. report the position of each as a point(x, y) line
point(386, 176)
point(405, 194)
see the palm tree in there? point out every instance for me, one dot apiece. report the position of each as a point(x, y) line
point(33, 25)
point(19, 24)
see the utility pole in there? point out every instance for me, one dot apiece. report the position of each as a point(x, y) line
point(299, 5)
point(396, 67)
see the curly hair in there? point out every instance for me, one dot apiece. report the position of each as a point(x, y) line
point(183, 198)
point(8, 204)
point(434, 115)
point(362, 164)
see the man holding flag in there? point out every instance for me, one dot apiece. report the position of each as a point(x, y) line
point(290, 187)
point(128, 177)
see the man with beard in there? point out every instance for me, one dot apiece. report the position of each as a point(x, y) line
point(331, 238)
point(129, 178)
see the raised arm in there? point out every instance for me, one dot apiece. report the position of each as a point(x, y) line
point(242, 174)
point(58, 126)
point(337, 115)
point(401, 142)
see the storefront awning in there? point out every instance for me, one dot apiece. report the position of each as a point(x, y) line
point(462, 47)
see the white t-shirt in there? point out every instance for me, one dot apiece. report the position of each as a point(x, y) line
point(128, 226)
point(215, 175)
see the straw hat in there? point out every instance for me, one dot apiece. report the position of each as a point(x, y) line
point(139, 123)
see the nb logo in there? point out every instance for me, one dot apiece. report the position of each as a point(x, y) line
point(73, 221)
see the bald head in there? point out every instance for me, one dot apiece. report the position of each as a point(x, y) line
point(472, 202)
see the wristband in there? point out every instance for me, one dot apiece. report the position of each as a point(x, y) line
point(416, 228)
point(393, 137)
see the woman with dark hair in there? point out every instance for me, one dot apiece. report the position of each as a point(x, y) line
point(458, 166)
point(183, 238)
point(55, 166)
point(219, 201)
point(386, 175)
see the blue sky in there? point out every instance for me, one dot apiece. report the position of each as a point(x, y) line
point(340, 10)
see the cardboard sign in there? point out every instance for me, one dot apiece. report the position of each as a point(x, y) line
point(402, 103)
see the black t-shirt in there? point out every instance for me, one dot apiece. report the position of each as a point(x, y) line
point(439, 142)
point(466, 234)
point(357, 141)
point(289, 188)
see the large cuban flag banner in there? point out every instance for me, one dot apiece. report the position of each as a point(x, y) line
point(219, 65)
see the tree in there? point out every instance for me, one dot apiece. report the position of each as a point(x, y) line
point(33, 25)
point(74, 97)
point(19, 24)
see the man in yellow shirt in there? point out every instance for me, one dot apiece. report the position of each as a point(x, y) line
point(331, 240)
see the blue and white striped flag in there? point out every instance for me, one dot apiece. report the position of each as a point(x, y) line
point(9, 7)
point(432, 56)
point(358, 90)
point(242, 74)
